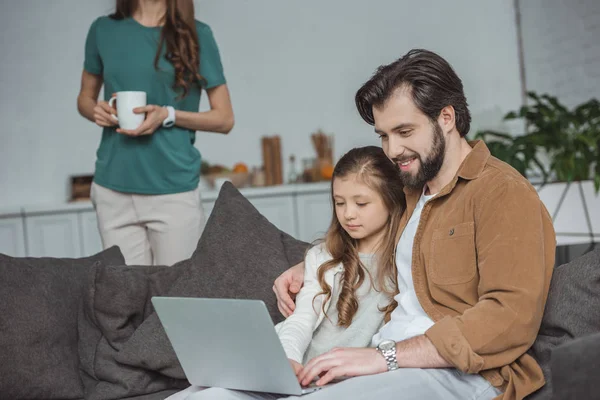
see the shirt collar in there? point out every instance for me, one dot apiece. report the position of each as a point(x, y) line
point(475, 162)
point(471, 167)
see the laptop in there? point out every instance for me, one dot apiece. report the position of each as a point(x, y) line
point(228, 343)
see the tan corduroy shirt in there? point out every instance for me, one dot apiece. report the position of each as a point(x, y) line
point(483, 257)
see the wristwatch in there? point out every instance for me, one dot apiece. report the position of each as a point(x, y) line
point(387, 348)
point(170, 120)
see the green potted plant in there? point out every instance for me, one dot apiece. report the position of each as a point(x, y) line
point(569, 137)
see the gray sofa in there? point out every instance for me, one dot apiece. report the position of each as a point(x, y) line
point(85, 328)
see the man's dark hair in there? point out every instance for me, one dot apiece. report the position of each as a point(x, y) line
point(432, 84)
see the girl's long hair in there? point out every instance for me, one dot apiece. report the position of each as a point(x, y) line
point(374, 168)
point(181, 38)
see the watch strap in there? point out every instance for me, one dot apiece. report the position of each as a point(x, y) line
point(170, 120)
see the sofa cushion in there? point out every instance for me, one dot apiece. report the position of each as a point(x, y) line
point(572, 311)
point(575, 366)
point(38, 324)
point(124, 349)
point(114, 306)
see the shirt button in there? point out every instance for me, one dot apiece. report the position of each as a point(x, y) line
point(451, 231)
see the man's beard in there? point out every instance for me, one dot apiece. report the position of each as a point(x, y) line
point(428, 168)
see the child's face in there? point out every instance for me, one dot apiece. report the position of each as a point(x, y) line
point(359, 209)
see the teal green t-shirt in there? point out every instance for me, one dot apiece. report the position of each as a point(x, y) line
point(122, 52)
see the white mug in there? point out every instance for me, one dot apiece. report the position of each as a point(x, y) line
point(126, 102)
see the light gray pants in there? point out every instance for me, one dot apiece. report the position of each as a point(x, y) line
point(149, 229)
point(402, 384)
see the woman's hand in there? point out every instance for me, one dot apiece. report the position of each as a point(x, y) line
point(104, 115)
point(155, 115)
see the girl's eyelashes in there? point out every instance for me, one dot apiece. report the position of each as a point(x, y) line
point(339, 204)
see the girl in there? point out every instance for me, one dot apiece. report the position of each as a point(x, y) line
point(350, 277)
point(145, 187)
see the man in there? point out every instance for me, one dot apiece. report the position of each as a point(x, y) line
point(474, 258)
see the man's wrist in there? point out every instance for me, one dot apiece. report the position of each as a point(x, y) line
point(387, 349)
point(380, 361)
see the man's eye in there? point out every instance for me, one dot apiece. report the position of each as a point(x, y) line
point(382, 136)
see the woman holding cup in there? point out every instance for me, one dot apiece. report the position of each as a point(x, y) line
point(153, 59)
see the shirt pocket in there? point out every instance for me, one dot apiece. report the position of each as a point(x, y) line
point(452, 258)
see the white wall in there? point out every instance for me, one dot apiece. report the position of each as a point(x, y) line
point(561, 40)
point(292, 67)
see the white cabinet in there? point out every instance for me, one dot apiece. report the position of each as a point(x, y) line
point(55, 235)
point(314, 215)
point(279, 210)
point(12, 238)
point(71, 230)
point(91, 243)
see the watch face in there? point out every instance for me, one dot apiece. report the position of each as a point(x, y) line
point(387, 345)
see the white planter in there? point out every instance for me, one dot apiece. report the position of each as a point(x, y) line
point(570, 222)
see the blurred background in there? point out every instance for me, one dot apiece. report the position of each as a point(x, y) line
point(293, 68)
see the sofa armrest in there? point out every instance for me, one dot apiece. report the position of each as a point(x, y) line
point(575, 367)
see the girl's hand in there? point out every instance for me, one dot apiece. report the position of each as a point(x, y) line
point(104, 115)
point(296, 365)
point(155, 115)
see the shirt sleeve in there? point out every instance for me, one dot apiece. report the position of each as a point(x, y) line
point(93, 61)
point(211, 68)
point(295, 333)
point(515, 256)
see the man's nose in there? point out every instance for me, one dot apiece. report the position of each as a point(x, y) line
point(395, 147)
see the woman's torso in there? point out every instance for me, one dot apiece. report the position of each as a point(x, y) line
point(123, 52)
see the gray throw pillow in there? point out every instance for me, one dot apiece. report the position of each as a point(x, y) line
point(114, 306)
point(126, 352)
point(39, 302)
point(572, 311)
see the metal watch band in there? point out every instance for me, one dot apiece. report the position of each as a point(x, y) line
point(390, 359)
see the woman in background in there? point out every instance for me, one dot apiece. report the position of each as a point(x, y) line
point(145, 188)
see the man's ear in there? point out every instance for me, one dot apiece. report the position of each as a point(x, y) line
point(447, 119)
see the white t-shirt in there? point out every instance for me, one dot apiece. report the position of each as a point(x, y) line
point(408, 319)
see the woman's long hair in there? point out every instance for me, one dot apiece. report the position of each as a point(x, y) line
point(180, 35)
point(373, 168)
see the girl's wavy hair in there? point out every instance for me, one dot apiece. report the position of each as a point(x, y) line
point(181, 38)
point(373, 168)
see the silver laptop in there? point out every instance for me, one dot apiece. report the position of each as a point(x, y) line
point(228, 343)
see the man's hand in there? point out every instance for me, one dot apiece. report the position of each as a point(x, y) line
point(286, 286)
point(343, 362)
point(155, 115)
point(296, 365)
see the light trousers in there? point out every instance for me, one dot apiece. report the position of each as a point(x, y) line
point(401, 384)
point(149, 229)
